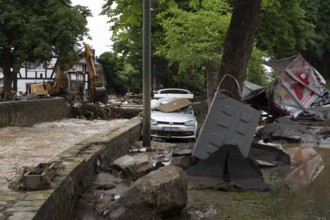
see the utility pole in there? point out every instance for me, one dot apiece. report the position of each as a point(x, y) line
point(146, 132)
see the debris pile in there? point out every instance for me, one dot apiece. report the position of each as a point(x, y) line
point(298, 87)
point(141, 183)
point(128, 98)
point(92, 111)
point(35, 178)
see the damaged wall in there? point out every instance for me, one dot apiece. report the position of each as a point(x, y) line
point(27, 113)
point(80, 165)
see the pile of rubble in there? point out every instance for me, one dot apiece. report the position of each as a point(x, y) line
point(92, 111)
point(298, 88)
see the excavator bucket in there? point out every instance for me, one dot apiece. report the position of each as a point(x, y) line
point(100, 95)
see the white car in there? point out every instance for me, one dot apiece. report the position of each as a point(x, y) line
point(181, 124)
point(173, 93)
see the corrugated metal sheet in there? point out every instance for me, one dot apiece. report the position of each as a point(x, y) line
point(298, 85)
point(227, 122)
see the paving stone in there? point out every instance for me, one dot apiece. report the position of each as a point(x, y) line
point(6, 198)
point(29, 203)
point(23, 209)
point(38, 195)
point(21, 216)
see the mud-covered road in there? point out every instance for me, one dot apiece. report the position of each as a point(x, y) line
point(28, 146)
point(300, 191)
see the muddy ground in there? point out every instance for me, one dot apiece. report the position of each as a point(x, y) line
point(307, 200)
point(26, 147)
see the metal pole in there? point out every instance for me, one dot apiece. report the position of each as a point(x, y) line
point(146, 138)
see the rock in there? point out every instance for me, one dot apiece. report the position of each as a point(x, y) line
point(134, 166)
point(139, 212)
point(164, 191)
point(182, 150)
point(184, 162)
point(291, 135)
point(269, 154)
point(284, 129)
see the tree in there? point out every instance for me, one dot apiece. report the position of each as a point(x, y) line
point(238, 46)
point(36, 30)
point(317, 51)
point(256, 72)
point(285, 29)
point(131, 78)
point(194, 40)
point(112, 66)
point(126, 19)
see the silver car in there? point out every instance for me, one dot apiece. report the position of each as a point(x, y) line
point(177, 124)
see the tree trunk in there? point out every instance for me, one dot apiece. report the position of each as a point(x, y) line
point(14, 80)
point(9, 75)
point(8, 79)
point(238, 46)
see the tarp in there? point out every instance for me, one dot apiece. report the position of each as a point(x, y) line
point(298, 85)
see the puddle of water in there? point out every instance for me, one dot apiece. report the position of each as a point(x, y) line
point(308, 180)
point(299, 191)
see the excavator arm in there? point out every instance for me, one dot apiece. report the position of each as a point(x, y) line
point(97, 91)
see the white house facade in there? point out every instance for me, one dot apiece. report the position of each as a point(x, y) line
point(32, 74)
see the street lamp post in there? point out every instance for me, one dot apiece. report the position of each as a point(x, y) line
point(146, 138)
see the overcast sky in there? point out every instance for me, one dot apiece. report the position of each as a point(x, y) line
point(97, 25)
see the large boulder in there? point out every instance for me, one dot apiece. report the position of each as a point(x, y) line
point(163, 190)
point(181, 156)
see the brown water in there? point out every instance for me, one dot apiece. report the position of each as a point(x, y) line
point(307, 179)
point(297, 192)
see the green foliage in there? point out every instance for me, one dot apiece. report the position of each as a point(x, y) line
point(194, 39)
point(112, 66)
point(256, 71)
point(270, 3)
point(33, 30)
point(127, 36)
point(318, 47)
point(284, 29)
point(131, 77)
point(297, 26)
point(190, 39)
point(124, 15)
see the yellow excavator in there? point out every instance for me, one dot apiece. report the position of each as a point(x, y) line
point(72, 83)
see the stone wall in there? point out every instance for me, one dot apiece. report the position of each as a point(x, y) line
point(79, 166)
point(30, 112)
